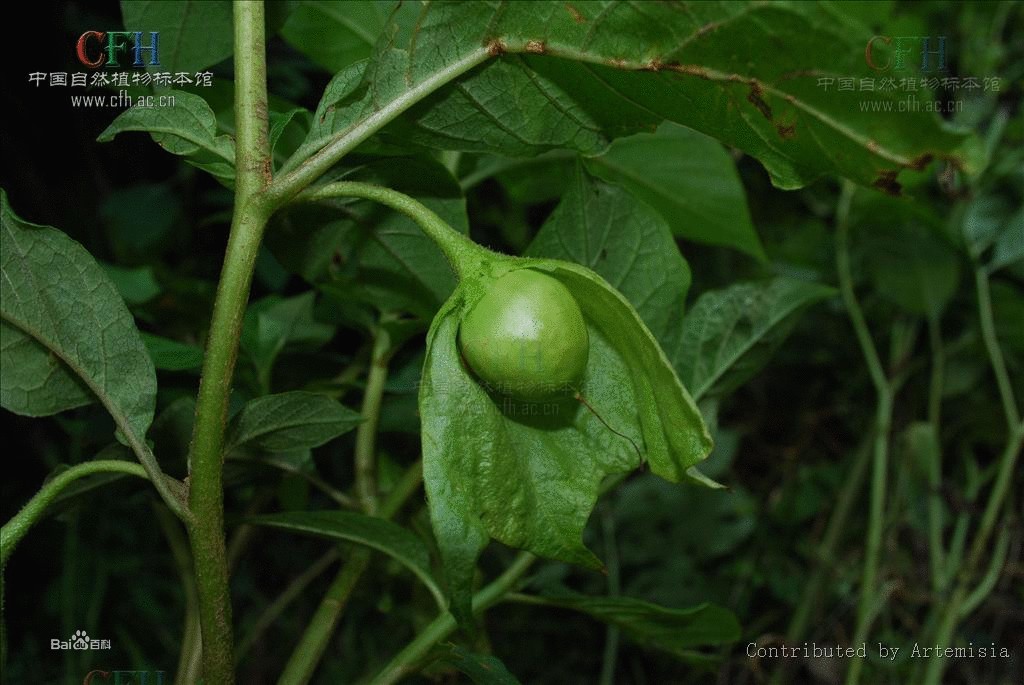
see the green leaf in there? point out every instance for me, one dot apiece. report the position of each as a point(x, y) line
point(650, 509)
point(528, 474)
point(67, 337)
point(689, 179)
point(279, 123)
point(171, 355)
point(482, 669)
point(352, 27)
point(187, 128)
point(35, 382)
point(579, 75)
point(728, 335)
point(1008, 312)
point(527, 181)
point(606, 229)
point(290, 421)
point(172, 430)
point(274, 322)
point(671, 630)
point(991, 223)
point(134, 285)
point(1009, 248)
point(140, 220)
point(194, 34)
point(912, 267)
point(982, 219)
point(369, 531)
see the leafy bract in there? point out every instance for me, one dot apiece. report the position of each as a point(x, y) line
point(66, 337)
point(528, 474)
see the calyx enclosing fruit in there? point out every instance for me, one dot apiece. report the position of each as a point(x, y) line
point(526, 337)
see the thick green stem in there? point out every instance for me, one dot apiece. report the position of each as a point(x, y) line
point(15, 529)
point(462, 253)
point(883, 420)
point(190, 656)
point(206, 497)
point(405, 662)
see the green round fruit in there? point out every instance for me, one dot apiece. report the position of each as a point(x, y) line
point(526, 338)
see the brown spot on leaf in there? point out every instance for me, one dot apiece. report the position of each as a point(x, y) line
point(887, 183)
point(496, 47)
point(653, 65)
point(786, 131)
point(576, 16)
point(921, 161)
point(755, 97)
point(688, 69)
point(948, 180)
point(535, 46)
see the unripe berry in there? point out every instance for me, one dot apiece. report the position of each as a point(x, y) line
point(526, 338)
